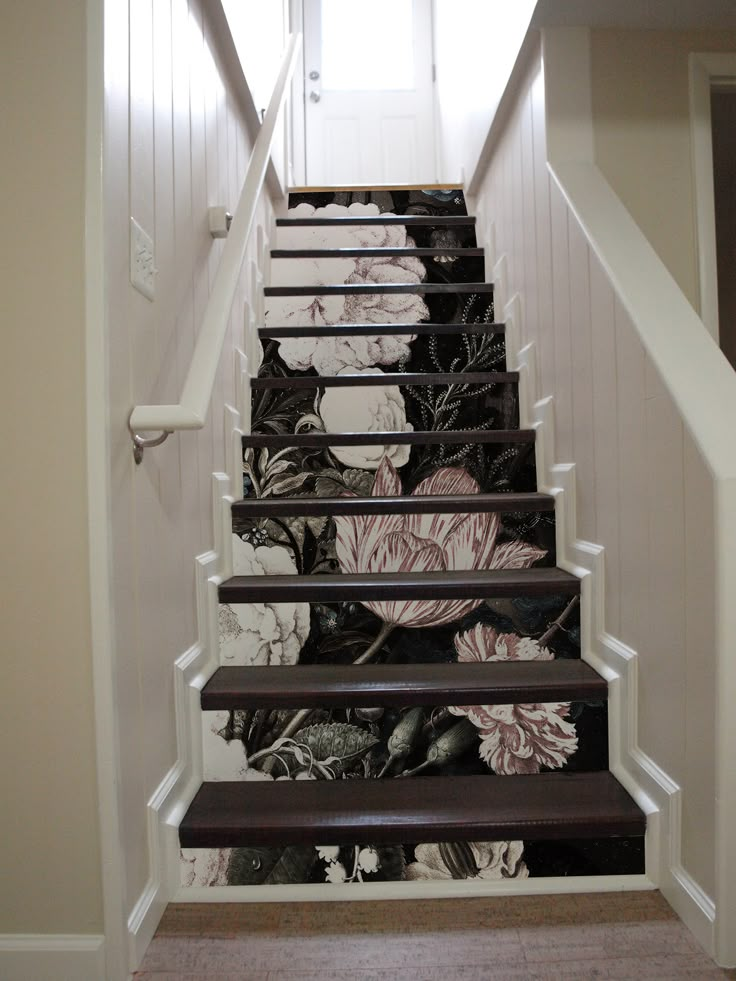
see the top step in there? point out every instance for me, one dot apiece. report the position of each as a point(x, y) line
point(415, 220)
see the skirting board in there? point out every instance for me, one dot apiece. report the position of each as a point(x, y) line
point(379, 891)
point(52, 957)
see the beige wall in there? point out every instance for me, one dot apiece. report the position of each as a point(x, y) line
point(49, 851)
point(177, 144)
point(642, 134)
point(642, 489)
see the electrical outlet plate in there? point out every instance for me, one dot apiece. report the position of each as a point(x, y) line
point(142, 265)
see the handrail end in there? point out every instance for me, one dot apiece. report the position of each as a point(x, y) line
point(164, 419)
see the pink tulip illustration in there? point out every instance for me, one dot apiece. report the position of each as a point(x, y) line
point(515, 738)
point(425, 543)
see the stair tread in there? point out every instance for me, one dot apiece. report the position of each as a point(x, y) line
point(389, 378)
point(429, 437)
point(360, 289)
point(338, 587)
point(409, 504)
point(400, 685)
point(349, 253)
point(478, 808)
point(360, 330)
point(379, 220)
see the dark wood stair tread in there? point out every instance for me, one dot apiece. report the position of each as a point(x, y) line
point(440, 221)
point(458, 585)
point(362, 330)
point(314, 507)
point(400, 685)
point(360, 289)
point(415, 809)
point(349, 253)
point(390, 378)
point(430, 437)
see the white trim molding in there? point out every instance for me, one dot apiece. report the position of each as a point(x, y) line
point(192, 670)
point(706, 72)
point(52, 957)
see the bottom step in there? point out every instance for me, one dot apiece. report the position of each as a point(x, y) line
point(545, 806)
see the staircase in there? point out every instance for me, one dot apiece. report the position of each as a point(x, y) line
point(401, 695)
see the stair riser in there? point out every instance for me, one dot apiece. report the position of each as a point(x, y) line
point(564, 736)
point(331, 471)
point(443, 308)
point(468, 406)
point(343, 269)
point(342, 633)
point(387, 352)
point(313, 543)
point(302, 864)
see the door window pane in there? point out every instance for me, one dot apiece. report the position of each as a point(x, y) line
point(367, 45)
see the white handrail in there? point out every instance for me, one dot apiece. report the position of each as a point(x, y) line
point(191, 412)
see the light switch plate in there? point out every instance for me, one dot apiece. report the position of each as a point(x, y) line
point(142, 260)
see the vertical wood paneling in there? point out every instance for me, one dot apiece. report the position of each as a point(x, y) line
point(698, 806)
point(662, 666)
point(561, 324)
point(582, 375)
point(642, 489)
point(542, 223)
point(169, 99)
point(605, 443)
point(529, 247)
point(632, 456)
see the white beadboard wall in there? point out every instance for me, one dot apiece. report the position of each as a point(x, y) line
point(643, 490)
point(180, 145)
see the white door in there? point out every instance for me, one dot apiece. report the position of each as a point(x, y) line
point(369, 92)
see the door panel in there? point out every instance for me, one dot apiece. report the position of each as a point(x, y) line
point(369, 92)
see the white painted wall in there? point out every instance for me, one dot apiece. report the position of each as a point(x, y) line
point(476, 44)
point(645, 490)
point(176, 142)
point(49, 828)
point(641, 116)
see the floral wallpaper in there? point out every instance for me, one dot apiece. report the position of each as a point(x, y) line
point(381, 742)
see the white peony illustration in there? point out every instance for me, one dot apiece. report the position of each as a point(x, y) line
point(222, 760)
point(376, 409)
point(262, 633)
point(204, 866)
point(327, 355)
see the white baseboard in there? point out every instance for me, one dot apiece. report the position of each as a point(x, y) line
point(652, 788)
point(52, 957)
point(430, 889)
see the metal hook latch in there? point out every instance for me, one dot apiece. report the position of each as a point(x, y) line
point(141, 443)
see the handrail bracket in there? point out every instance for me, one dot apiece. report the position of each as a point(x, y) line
point(141, 443)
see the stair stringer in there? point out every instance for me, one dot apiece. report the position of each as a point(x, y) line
point(192, 670)
point(659, 796)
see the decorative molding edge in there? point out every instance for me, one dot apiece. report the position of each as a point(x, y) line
point(652, 788)
point(192, 670)
point(378, 891)
point(51, 956)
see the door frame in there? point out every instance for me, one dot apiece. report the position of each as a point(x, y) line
point(707, 70)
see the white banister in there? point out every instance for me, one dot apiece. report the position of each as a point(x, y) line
point(191, 412)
